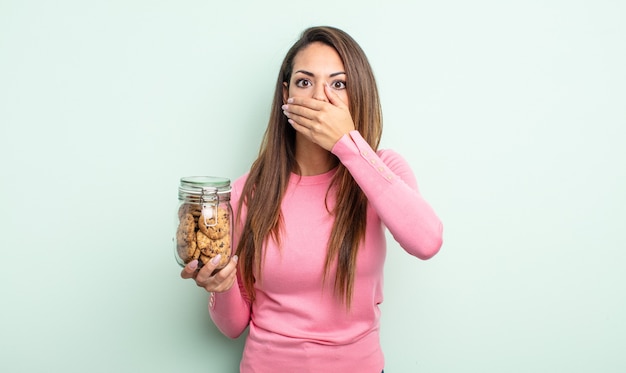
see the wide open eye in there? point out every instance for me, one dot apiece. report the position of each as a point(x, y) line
point(303, 83)
point(338, 84)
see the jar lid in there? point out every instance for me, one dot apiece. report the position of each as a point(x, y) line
point(204, 184)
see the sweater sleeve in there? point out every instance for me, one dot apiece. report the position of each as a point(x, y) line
point(391, 189)
point(230, 310)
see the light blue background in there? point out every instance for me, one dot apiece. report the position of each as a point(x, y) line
point(511, 113)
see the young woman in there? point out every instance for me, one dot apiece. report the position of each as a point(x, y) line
point(310, 220)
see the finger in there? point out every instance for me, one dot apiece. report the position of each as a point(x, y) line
point(229, 281)
point(297, 112)
point(298, 126)
point(229, 273)
point(333, 97)
point(234, 260)
point(190, 270)
point(228, 269)
point(300, 119)
point(207, 270)
point(224, 279)
point(306, 102)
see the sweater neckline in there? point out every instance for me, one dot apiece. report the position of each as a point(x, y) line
point(324, 178)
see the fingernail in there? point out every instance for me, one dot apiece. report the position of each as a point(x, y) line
point(193, 264)
point(284, 107)
point(216, 260)
point(290, 100)
point(235, 259)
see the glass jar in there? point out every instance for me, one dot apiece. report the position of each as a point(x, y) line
point(204, 221)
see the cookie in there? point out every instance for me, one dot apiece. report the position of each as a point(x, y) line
point(211, 248)
point(186, 230)
point(203, 241)
point(201, 234)
point(196, 253)
point(189, 208)
point(188, 252)
point(212, 229)
point(186, 238)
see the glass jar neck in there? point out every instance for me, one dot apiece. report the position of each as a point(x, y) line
point(204, 189)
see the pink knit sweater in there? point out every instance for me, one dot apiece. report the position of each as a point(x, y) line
point(296, 322)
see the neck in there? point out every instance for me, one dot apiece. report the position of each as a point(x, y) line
point(312, 159)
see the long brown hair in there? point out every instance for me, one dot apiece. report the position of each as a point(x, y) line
point(269, 175)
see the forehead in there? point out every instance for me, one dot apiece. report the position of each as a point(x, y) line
point(318, 57)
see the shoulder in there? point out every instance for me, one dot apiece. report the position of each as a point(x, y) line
point(237, 186)
point(240, 181)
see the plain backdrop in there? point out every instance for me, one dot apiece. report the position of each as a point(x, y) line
point(511, 113)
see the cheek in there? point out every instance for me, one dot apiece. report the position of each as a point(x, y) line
point(295, 92)
point(343, 95)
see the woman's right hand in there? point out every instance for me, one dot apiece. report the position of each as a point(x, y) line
point(218, 282)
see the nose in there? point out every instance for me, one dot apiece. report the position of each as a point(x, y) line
point(319, 93)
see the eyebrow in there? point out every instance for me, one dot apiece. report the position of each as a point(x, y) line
point(308, 73)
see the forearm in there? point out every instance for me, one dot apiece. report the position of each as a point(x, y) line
point(392, 191)
point(230, 311)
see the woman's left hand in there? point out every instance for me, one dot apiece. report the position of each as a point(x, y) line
point(324, 123)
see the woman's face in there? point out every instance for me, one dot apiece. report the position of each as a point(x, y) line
point(313, 67)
